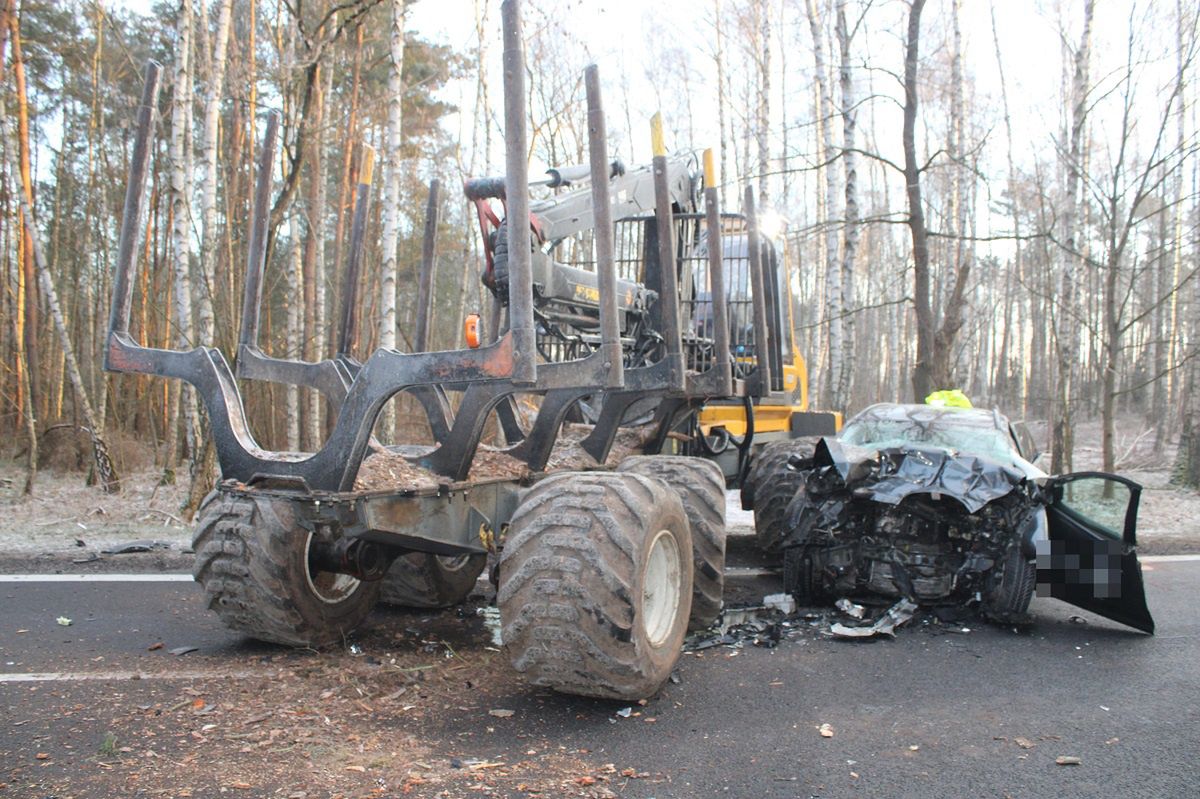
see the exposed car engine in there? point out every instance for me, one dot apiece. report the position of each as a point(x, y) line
point(929, 526)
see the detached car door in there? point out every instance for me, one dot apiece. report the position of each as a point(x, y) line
point(1090, 559)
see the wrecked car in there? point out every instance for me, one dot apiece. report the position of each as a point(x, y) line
point(943, 506)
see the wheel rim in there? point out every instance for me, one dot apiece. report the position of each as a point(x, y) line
point(660, 588)
point(329, 587)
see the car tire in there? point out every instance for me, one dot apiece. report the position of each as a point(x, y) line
point(1011, 586)
point(800, 576)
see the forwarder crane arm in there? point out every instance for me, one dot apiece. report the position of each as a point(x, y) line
point(563, 293)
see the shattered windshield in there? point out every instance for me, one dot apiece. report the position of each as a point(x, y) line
point(887, 433)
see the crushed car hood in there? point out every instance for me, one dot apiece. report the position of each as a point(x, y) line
point(889, 475)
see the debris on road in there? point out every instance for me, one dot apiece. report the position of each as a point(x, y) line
point(895, 616)
point(1067, 760)
point(784, 603)
point(826, 730)
point(63, 621)
point(142, 545)
point(759, 625)
point(501, 713)
point(850, 609)
point(183, 650)
point(491, 622)
point(1024, 743)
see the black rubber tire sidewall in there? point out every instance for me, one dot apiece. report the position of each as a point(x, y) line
point(571, 586)
point(251, 559)
point(1012, 584)
point(773, 456)
point(423, 580)
point(774, 493)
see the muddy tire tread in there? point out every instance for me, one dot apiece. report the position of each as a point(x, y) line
point(421, 580)
point(701, 488)
point(774, 489)
point(567, 582)
point(245, 563)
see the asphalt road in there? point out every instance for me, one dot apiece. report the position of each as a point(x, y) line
point(936, 712)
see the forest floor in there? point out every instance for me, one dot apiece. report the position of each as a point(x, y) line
point(66, 518)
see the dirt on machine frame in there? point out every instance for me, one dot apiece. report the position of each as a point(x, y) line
point(605, 547)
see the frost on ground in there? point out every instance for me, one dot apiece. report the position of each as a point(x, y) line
point(1168, 517)
point(63, 511)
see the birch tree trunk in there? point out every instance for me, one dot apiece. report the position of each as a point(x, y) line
point(1067, 336)
point(1186, 471)
point(180, 215)
point(315, 267)
point(1002, 372)
point(834, 312)
point(208, 175)
point(721, 94)
point(1173, 328)
point(921, 378)
point(391, 200)
point(845, 369)
point(762, 120)
point(104, 467)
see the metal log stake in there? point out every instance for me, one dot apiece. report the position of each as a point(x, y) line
point(520, 281)
point(716, 277)
point(762, 333)
point(133, 216)
point(606, 267)
point(667, 267)
point(362, 201)
point(428, 257)
point(256, 259)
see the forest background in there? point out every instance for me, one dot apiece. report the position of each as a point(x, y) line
point(997, 197)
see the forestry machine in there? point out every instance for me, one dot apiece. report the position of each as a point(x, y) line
point(560, 432)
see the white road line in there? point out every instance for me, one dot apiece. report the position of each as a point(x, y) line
point(113, 676)
point(731, 571)
point(95, 578)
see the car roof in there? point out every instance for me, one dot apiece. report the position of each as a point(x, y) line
point(925, 414)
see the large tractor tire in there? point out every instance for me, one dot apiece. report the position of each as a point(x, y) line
point(774, 487)
point(252, 558)
point(771, 458)
point(596, 584)
point(701, 488)
point(424, 580)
